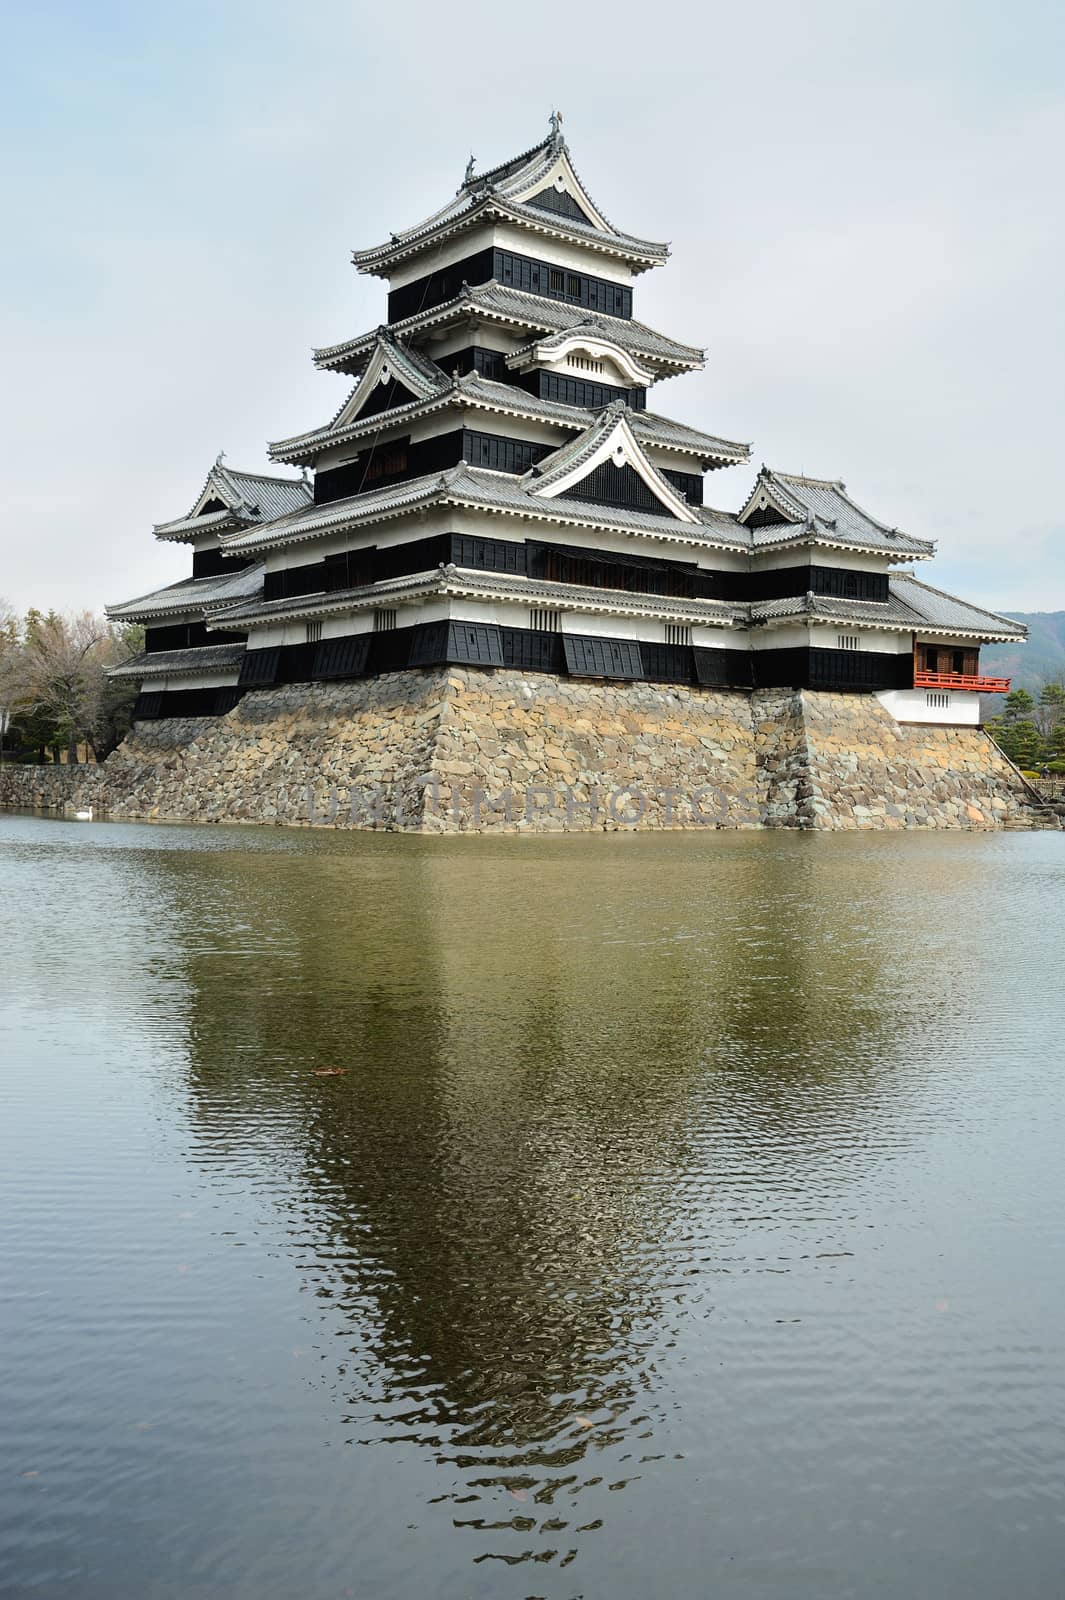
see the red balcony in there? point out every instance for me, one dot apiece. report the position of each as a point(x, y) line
point(960, 680)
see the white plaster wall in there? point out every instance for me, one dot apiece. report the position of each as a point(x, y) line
point(521, 241)
point(502, 612)
point(815, 555)
point(912, 705)
point(524, 242)
point(673, 460)
point(351, 622)
point(719, 638)
point(793, 636)
point(499, 525)
point(435, 257)
point(614, 627)
point(445, 420)
point(484, 336)
point(826, 636)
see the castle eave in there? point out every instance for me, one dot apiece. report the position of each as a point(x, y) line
point(475, 211)
point(466, 583)
point(530, 313)
point(171, 663)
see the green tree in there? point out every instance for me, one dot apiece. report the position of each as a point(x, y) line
point(1019, 703)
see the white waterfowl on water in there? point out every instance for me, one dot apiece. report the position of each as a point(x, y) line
point(83, 816)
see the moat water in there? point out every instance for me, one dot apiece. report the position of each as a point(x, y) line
point(603, 1217)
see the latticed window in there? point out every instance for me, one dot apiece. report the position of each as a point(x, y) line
point(678, 633)
point(385, 618)
point(314, 632)
point(544, 620)
point(937, 700)
point(847, 641)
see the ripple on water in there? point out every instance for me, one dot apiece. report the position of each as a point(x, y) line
point(529, 1217)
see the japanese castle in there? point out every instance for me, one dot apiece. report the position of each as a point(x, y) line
point(497, 490)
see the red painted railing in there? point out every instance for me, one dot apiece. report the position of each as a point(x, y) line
point(960, 680)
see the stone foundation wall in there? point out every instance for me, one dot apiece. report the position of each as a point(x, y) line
point(460, 749)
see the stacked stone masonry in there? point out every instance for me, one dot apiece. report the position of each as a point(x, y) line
point(460, 749)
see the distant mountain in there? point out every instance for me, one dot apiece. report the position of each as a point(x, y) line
point(1041, 660)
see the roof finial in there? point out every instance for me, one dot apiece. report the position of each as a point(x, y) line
point(219, 458)
point(555, 119)
point(469, 170)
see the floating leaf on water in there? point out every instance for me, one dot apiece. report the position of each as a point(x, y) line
point(585, 1422)
point(330, 1072)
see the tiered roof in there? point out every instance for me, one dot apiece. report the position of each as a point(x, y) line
point(939, 612)
point(538, 191)
point(166, 663)
point(911, 606)
point(190, 595)
point(609, 439)
point(529, 313)
point(466, 583)
point(785, 508)
point(479, 489)
point(435, 391)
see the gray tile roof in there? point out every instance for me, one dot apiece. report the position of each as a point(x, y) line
point(494, 491)
point(463, 581)
point(192, 595)
point(870, 613)
point(472, 389)
point(912, 606)
point(495, 194)
point(247, 497)
point(937, 610)
point(263, 497)
point(169, 663)
point(581, 449)
point(516, 309)
point(820, 511)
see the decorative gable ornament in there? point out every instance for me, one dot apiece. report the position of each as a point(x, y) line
point(388, 363)
point(558, 349)
point(611, 439)
point(769, 496)
point(562, 178)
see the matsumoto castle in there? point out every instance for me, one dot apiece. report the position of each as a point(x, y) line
point(497, 490)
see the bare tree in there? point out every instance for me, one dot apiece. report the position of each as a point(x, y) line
point(10, 665)
point(64, 675)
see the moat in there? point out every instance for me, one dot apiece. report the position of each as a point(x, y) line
point(575, 1216)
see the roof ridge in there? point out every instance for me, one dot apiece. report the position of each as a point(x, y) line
point(264, 477)
point(801, 477)
point(837, 484)
point(474, 181)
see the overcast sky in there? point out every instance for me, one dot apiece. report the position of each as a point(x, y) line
point(865, 203)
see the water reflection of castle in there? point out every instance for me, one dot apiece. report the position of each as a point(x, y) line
point(525, 1176)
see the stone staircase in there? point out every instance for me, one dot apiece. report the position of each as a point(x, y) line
point(1043, 811)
